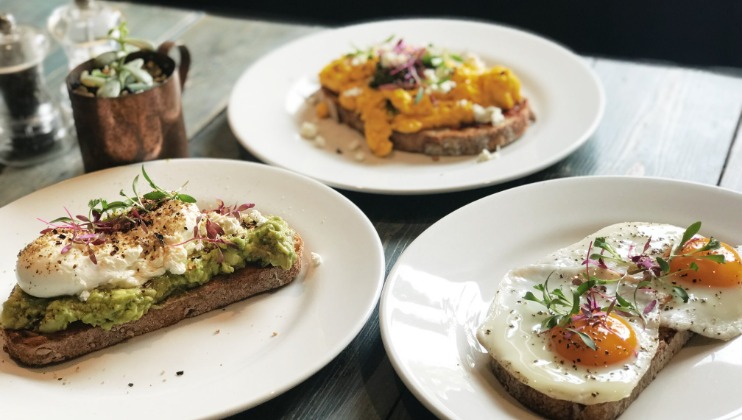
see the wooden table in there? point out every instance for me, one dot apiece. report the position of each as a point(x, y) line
point(660, 120)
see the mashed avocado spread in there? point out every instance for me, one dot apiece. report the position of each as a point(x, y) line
point(270, 242)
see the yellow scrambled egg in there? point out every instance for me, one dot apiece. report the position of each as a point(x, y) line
point(388, 109)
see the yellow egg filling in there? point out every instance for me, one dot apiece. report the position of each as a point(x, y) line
point(396, 87)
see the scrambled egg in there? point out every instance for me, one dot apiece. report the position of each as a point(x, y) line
point(395, 87)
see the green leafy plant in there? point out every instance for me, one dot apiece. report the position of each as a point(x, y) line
point(113, 75)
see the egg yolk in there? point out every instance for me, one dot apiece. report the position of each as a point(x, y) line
point(614, 339)
point(710, 273)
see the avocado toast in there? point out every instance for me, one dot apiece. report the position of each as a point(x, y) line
point(133, 266)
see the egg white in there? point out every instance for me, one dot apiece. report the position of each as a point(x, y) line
point(511, 335)
point(510, 330)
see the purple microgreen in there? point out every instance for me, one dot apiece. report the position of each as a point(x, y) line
point(650, 306)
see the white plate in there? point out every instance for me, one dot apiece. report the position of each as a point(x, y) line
point(231, 359)
point(267, 107)
point(440, 288)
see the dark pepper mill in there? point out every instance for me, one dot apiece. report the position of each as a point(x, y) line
point(32, 128)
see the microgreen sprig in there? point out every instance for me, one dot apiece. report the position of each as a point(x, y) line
point(659, 267)
point(585, 304)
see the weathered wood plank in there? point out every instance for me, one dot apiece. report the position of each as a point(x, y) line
point(221, 50)
point(732, 177)
point(660, 121)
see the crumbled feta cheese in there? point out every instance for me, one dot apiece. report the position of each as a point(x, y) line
point(496, 115)
point(430, 75)
point(256, 216)
point(316, 259)
point(491, 114)
point(359, 60)
point(84, 295)
point(444, 87)
point(308, 130)
point(480, 115)
point(485, 155)
point(320, 141)
point(354, 91)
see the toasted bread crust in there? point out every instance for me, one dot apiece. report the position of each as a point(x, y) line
point(469, 140)
point(671, 342)
point(36, 349)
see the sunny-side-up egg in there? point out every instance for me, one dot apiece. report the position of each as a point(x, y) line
point(556, 361)
point(714, 289)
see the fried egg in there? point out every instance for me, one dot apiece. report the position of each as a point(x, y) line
point(714, 290)
point(557, 362)
point(692, 291)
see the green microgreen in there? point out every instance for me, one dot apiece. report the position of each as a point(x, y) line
point(419, 95)
point(680, 293)
point(585, 338)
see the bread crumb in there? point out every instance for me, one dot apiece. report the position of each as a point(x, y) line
point(217, 332)
point(359, 156)
point(274, 334)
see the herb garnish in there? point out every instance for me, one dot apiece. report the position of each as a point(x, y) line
point(410, 67)
point(658, 268)
point(563, 311)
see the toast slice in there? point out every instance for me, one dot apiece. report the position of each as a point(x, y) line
point(37, 349)
point(469, 140)
point(671, 342)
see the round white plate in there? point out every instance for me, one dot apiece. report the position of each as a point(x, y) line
point(440, 289)
point(268, 106)
point(230, 359)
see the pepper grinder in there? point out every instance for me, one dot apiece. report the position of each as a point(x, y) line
point(32, 128)
point(81, 28)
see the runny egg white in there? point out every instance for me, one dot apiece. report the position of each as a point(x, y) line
point(550, 362)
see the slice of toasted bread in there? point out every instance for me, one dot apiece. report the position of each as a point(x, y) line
point(468, 140)
point(36, 349)
point(671, 342)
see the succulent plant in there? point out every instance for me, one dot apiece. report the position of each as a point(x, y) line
point(112, 76)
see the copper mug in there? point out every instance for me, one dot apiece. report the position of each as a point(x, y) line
point(137, 127)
